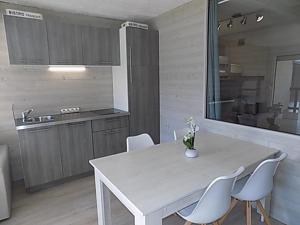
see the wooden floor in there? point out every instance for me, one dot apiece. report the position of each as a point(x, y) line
point(74, 203)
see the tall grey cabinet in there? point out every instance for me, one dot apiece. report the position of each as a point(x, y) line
point(140, 64)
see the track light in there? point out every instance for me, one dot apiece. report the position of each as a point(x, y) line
point(244, 20)
point(230, 24)
point(259, 18)
point(219, 26)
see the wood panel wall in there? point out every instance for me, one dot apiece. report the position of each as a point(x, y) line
point(182, 93)
point(35, 87)
point(181, 62)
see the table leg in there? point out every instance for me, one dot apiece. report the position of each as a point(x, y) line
point(153, 219)
point(103, 202)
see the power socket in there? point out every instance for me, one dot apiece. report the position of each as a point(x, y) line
point(70, 110)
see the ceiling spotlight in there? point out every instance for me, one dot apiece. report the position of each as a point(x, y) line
point(244, 20)
point(219, 26)
point(230, 24)
point(259, 17)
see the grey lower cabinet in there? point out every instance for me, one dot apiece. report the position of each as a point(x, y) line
point(57, 152)
point(26, 40)
point(76, 147)
point(109, 142)
point(40, 154)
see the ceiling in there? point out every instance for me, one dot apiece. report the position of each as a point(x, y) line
point(118, 9)
point(276, 12)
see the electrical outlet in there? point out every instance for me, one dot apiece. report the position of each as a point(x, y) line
point(70, 110)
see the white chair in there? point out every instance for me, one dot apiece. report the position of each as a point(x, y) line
point(141, 141)
point(214, 203)
point(180, 133)
point(256, 187)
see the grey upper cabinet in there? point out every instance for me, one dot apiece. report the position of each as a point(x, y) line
point(65, 43)
point(76, 147)
point(100, 46)
point(40, 153)
point(143, 82)
point(26, 40)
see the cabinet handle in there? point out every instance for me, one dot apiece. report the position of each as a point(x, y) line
point(130, 64)
point(76, 124)
point(38, 130)
point(112, 120)
point(112, 131)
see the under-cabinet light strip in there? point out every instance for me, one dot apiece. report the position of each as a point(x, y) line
point(67, 68)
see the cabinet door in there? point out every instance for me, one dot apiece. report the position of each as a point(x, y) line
point(40, 153)
point(26, 41)
point(115, 37)
point(142, 47)
point(110, 142)
point(65, 43)
point(76, 147)
point(97, 46)
point(143, 82)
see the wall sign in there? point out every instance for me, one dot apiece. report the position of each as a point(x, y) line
point(24, 14)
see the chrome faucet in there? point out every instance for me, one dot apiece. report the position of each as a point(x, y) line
point(25, 114)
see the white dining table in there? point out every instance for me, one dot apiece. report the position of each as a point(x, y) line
point(156, 182)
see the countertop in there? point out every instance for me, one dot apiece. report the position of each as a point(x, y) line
point(71, 118)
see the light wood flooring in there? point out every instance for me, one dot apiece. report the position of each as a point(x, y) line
point(75, 203)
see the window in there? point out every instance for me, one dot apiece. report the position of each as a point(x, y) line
point(254, 64)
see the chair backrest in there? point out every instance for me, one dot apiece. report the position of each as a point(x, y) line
point(180, 133)
point(139, 142)
point(215, 201)
point(260, 183)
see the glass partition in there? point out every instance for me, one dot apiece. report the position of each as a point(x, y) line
point(254, 64)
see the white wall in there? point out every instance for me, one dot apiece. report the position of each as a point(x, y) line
point(182, 80)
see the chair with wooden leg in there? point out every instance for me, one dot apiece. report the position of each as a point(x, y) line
point(214, 202)
point(256, 187)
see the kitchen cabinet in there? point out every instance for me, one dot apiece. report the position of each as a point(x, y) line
point(55, 152)
point(26, 40)
point(65, 43)
point(109, 136)
point(109, 142)
point(76, 147)
point(100, 46)
point(143, 82)
point(40, 153)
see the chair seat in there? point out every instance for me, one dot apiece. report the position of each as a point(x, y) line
point(239, 184)
point(187, 210)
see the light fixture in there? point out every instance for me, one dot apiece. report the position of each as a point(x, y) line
point(219, 26)
point(222, 1)
point(230, 24)
point(259, 18)
point(67, 68)
point(244, 20)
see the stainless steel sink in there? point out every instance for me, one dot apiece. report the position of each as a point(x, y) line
point(40, 119)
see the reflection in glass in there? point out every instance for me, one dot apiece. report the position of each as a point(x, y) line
point(254, 65)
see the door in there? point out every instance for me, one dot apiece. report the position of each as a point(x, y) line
point(76, 147)
point(40, 153)
point(97, 46)
point(109, 142)
point(143, 82)
point(65, 43)
point(26, 41)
